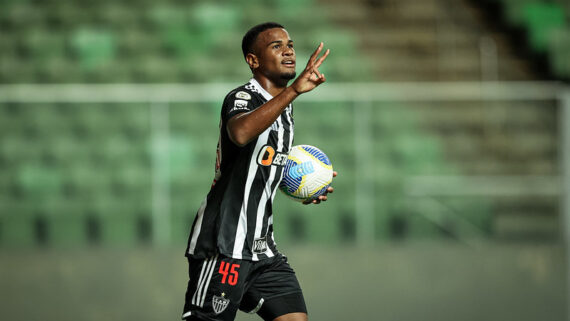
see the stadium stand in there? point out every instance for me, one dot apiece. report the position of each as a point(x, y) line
point(79, 174)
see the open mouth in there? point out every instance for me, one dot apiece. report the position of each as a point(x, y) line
point(288, 63)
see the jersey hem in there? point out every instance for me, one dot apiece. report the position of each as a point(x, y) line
point(207, 255)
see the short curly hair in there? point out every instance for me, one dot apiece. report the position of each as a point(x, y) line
point(251, 35)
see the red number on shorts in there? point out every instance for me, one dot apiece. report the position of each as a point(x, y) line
point(233, 274)
point(224, 267)
point(225, 270)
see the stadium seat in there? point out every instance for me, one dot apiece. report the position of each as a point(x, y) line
point(559, 52)
point(39, 182)
point(118, 221)
point(514, 10)
point(540, 19)
point(87, 180)
point(93, 47)
point(116, 15)
point(16, 70)
point(133, 43)
point(17, 229)
point(65, 222)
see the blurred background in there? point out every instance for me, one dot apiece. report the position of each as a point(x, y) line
point(447, 120)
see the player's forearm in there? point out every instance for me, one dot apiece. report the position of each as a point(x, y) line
point(245, 127)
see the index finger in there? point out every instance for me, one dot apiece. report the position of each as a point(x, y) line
point(320, 61)
point(316, 53)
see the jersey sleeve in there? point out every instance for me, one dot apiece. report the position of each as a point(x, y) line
point(237, 102)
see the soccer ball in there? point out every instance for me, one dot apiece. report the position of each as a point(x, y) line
point(307, 174)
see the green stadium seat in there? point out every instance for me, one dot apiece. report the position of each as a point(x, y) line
point(153, 69)
point(39, 182)
point(514, 10)
point(93, 47)
point(117, 150)
point(8, 45)
point(17, 229)
point(118, 222)
point(41, 44)
point(131, 180)
point(16, 70)
point(134, 43)
point(87, 180)
point(20, 16)
point(116, 15)
point(559, 52)
point(57, 70)
point(66, 222)
point(213, 18)
point(181, 223)
point(540, 19)
point(96, 120)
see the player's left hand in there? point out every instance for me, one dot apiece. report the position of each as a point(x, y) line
point(323, 197)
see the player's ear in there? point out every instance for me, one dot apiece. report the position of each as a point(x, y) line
point(252, 60)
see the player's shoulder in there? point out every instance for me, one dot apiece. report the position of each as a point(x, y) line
point(243, 92)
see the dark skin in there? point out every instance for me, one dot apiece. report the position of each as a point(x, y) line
point(273, 66)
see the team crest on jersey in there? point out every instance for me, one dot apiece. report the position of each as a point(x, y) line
point(268, 156)
point(243, 95)
point(259, 245)
point(220, 303)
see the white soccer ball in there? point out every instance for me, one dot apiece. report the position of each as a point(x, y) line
point(307, 174)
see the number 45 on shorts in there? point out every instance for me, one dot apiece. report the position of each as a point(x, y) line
point(229, 273)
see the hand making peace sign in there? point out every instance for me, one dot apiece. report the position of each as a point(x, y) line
point(310, 78)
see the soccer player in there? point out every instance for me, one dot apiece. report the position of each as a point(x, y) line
point(233, 261)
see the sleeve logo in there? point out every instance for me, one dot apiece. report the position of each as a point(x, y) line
point(239, 105)
point(243, 95)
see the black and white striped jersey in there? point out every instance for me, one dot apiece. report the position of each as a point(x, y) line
point(236, 218)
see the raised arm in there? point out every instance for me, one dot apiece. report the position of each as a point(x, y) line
point(243, 128)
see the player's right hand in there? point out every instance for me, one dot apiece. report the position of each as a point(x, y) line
point(310, 78)
point(322, 198)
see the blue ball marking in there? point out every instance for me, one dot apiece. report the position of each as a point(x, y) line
point(291, 184)
point(318, 154)
point(301, 170)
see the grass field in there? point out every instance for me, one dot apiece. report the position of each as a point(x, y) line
point(404, 282)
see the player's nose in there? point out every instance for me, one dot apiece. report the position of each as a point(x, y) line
point(288, 51)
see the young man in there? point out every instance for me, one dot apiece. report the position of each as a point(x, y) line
point(233, 261)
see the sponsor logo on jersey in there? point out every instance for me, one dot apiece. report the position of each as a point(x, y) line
point(239, 105)
point(220, 303)
point(243, 95)
point(268, 156)
point(259, 245)
point(301, 170)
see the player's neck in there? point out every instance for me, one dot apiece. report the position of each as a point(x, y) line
point(272, 87)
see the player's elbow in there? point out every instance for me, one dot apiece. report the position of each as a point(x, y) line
point(238, 136)
point(239, 140)
point(238, 131)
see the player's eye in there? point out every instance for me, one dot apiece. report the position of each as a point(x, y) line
point(276, 46)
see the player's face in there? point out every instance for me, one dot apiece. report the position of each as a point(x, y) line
point(275, 54)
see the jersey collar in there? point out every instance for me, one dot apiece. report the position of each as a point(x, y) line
point(261, 90)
